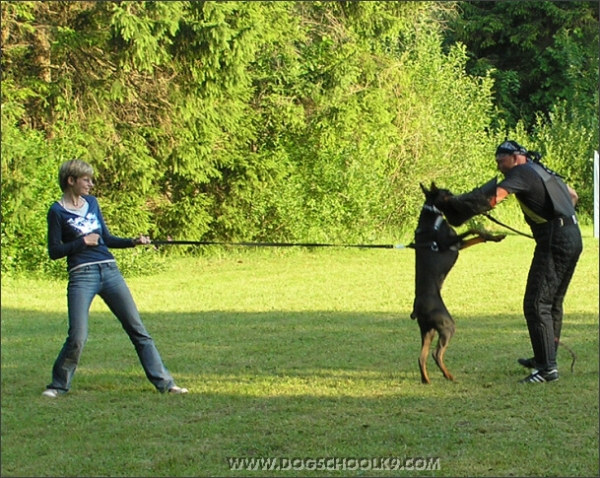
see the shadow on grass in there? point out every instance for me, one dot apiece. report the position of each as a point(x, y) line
point(293, 384)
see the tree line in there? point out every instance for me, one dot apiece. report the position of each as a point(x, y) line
point(283, 121)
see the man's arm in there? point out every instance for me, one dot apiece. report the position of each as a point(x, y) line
point(461, 208)
point(501, 195)
point(573, 194)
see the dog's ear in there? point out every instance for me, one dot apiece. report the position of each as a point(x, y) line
point(423, 188)
point(433, 187)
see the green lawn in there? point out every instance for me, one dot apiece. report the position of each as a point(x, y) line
point(296, 354)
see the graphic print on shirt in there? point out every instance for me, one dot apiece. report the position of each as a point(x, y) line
point(85, 225)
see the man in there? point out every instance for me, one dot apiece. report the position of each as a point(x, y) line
point(548, 205)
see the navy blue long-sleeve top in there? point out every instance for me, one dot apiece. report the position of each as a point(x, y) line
point(66, 230)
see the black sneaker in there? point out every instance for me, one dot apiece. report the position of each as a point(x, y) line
point(538, 376)
point(527, 363)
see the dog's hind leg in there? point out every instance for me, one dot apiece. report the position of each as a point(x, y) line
point(438, 354)
point(426, 339)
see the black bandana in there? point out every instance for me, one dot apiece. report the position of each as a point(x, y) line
point(510, 147)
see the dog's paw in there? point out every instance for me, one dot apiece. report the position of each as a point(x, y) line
point(497, 238)
point(491, 237)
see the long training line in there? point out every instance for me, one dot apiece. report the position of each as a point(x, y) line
point(279, 244)
point(311, 244)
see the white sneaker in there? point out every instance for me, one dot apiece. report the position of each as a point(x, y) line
point(50, 392)
point(178, 390)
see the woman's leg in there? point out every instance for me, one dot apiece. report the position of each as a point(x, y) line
point(117, 296)
point(83, 285)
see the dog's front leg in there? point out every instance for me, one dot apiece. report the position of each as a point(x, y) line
point(481, 236)
point(471, 242)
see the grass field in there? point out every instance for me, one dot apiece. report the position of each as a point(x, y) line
point(302, 354)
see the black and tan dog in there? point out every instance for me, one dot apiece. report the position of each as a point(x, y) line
point(436, 249)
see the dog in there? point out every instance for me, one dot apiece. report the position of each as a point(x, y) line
point(436, 246)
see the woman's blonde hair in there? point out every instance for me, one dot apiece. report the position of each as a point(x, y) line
point(75, 168)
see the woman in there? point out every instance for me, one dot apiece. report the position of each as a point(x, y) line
point(76, 230)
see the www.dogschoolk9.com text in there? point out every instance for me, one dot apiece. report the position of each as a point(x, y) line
point(334, 464)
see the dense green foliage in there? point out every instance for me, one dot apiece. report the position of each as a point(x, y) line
point(537, 52)
point(253, 120)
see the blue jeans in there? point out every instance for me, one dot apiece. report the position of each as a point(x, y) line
point(106, 281)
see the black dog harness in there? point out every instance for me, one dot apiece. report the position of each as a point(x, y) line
point(439, 220)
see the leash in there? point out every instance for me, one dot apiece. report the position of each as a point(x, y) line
point(412, 245)
point(278, 244)
point(573, 356)
point(493, 219)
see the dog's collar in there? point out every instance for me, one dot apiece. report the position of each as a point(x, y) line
point(438, 220)
point(434, 209)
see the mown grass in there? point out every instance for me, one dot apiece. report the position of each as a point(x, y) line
point(303, 354)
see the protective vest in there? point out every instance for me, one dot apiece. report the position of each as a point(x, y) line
point(558, 192)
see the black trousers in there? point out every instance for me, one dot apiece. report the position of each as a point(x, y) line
point(556, 254)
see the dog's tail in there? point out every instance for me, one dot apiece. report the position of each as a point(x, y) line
point(570, 350)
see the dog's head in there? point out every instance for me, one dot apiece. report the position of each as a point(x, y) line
point(435, 196)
